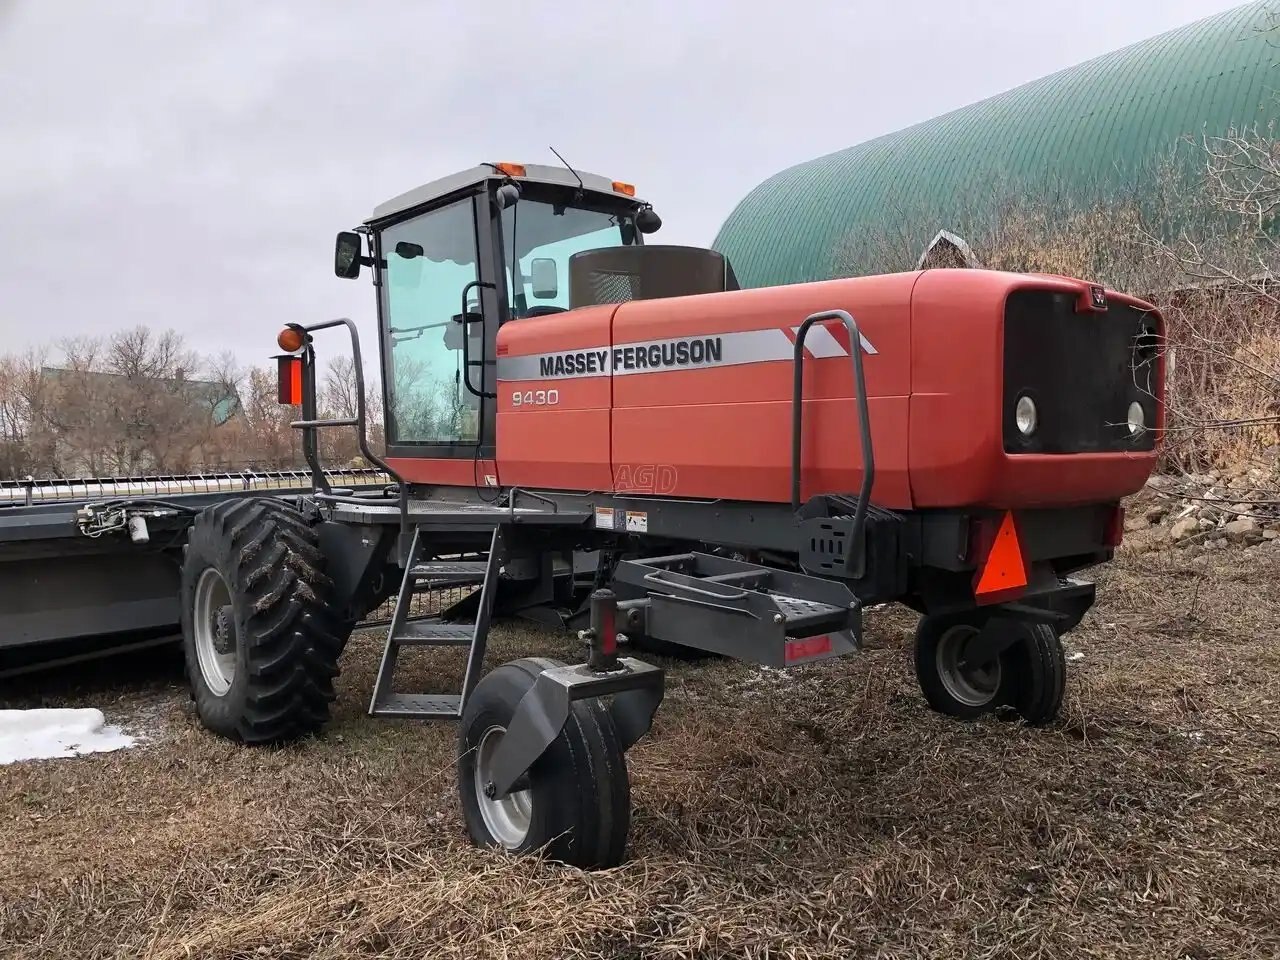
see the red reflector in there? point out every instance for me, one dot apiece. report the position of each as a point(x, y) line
point(1114, 535)
point(289, 380)
point(1003, 572)
point(805, 647)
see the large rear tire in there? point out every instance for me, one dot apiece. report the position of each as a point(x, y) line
point(575, 806)
point(259, 631)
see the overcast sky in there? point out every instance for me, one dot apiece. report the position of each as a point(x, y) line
point(185, 164)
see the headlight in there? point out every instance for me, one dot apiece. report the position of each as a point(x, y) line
point(1137, 419)
point(1024, 415)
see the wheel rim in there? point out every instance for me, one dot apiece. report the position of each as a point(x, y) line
point(215, 632)
point(507, 819)
point(973, 686)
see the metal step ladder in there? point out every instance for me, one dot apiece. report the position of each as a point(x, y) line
point(421, 575)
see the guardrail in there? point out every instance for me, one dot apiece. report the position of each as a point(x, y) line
point(31, 491)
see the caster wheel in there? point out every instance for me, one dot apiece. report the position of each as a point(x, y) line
point(574, 804)
point(1028, 677)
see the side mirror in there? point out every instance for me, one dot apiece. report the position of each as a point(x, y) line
point(544, 278)
point(346, 255)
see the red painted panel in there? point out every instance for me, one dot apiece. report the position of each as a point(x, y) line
point(554, 432)
point(561, 450)
point(742, 451)
point(726, 431)
point(880, 305)
point(584, 327)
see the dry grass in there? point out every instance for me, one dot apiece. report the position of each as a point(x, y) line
point(822, 812)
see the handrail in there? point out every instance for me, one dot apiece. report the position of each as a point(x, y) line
point(656, 577)
point(864, 416)
point(310, 424)
point(467, 362)
point(30, 491)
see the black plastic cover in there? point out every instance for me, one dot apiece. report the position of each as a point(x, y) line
point(1082, 369)
point(649, 272)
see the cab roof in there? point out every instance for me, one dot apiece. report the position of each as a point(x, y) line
point(534, 172)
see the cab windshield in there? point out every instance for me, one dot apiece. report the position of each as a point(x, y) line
point(545, 236)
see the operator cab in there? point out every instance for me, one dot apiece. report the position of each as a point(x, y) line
point(455, 259)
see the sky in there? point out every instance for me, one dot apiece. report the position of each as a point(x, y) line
point(185, 165)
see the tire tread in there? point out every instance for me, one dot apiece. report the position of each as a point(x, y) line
point(292, 636)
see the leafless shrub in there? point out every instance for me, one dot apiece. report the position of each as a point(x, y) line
point(1193, 232)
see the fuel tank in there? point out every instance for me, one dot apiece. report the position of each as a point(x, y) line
point(691, 396)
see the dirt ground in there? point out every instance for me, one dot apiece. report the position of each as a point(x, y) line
point(822, 812)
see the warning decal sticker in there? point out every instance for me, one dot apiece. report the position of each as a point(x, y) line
point(604, 518)
point(637, 521)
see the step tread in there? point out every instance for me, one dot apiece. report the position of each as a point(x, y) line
point(449, 569)
point(801, 612)
point(427, 634)
point(417, 705)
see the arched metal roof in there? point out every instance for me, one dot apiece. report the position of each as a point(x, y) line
point(1083, 131)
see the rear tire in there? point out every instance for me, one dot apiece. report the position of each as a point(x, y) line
point(1029, 677)
point(576, 808)
point(259, 631)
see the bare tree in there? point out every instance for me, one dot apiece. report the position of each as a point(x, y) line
point(1224, 310)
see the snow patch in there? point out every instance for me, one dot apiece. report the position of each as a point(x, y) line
point(45, 734)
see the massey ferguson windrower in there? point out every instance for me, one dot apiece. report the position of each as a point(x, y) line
point(613, 437)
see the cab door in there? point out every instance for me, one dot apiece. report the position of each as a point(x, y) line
point(438, 316)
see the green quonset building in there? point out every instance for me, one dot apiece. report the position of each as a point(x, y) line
point(1080, 134)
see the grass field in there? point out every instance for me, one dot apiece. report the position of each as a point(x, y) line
point(821, 812)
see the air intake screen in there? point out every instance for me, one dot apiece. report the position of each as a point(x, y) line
point(611, 287)
point(620, 274)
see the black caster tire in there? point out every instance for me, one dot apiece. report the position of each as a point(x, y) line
point(259, 634)
point(1038, 667)
point(576, 808)
point(1028, 678)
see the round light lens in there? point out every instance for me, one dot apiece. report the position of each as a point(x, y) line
point(1024, 415)
point(291, 339)
point(1137, 419)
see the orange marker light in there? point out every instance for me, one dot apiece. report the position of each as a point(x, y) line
point(291, 339)
point(510, 169)
point(1003, 573)
point(289, 380)
point(627, 188)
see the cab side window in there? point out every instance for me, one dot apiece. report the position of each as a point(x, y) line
point(429, 259)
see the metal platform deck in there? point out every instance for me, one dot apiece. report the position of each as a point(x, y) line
point(458, 516)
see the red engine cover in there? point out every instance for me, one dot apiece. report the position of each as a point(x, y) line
point(691, 397)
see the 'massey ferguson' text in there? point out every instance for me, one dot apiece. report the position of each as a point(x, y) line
point(652, 356)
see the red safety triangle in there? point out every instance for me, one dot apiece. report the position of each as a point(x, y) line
point(1004, 571)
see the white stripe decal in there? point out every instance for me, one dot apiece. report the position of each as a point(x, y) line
point(723, 350)
point(674, 353)
point(821, 343)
